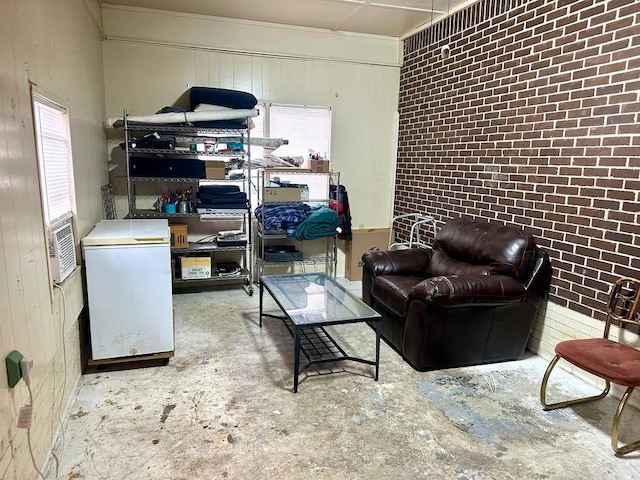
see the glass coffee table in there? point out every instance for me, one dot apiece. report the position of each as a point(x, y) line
point(311, 302)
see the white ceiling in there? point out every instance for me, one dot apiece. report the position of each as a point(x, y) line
point(395, 18)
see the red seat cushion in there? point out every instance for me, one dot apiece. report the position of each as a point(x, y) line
point(620, 364)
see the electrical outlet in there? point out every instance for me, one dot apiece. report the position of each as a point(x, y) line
point(14, 374)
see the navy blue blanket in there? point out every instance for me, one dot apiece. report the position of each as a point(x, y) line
point(279, 215)
point(221, 96)
point(234, 197)
point(218, 189)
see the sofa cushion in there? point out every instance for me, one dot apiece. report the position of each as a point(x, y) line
point(442, 264)
point(455, 290)
point(392, 291)
point(503, 249)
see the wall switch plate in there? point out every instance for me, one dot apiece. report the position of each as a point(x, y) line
point(14, 374)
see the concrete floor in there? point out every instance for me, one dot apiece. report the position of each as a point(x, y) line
point(223, 408)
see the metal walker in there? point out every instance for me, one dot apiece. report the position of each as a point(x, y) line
point(421, 224)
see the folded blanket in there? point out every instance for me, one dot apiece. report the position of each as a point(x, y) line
point(272, 216)
point(223, 201)
point(321, 222)
point(222, 206)
point(233, 197)
point(218, 189)
point(223, 97)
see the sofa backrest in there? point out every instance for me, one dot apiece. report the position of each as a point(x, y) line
point(465, 247)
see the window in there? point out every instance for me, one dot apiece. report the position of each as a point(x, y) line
point(306, 128)
point(53, 143)
point(55, 165)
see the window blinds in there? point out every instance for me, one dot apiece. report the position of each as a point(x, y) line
point(54, 156)
point(306, 128)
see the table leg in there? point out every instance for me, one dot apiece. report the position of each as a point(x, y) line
point(296, 362)
point(261, 294)
point(378, 327)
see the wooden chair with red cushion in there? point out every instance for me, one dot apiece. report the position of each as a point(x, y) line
point(612, 361)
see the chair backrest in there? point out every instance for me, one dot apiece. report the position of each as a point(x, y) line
point(624, 303)
point(464, 247)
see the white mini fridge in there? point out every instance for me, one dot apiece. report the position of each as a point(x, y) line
point(128, 270)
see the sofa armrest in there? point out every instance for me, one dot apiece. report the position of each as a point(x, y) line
point(410, 262)
point(455, 290)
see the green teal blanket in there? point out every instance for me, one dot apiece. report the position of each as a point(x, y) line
point(321, 222)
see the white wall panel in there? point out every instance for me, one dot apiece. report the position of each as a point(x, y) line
point(258, 78)
point(57, 46)
point(225, 71)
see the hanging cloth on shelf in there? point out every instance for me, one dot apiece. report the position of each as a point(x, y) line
point(339, 201)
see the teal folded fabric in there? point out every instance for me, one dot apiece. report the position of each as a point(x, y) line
point(321, 222)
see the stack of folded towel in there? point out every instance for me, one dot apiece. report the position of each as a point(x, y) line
point(321, 222)
point(226, 197)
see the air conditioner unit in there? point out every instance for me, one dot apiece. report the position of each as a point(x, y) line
point(62, 252)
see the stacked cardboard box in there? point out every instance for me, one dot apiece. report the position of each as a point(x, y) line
point(214, 169)
point(195, 267)
point(178, 235)
point(319, 166)
point(286, 194)
point(362, 240)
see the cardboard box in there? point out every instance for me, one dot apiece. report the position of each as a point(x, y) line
point(195, 267)
point(214, 169)
point(286, 194)
point(178, 236)
point(363, 240)
point(319, 166)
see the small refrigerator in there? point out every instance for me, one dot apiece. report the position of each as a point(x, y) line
point(128, 271)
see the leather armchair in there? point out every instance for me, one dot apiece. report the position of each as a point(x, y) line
point(471, 299)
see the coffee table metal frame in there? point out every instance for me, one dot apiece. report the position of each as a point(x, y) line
point(310, 302)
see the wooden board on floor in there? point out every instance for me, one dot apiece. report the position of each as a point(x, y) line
point(125, 363)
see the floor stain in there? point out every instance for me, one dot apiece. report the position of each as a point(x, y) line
point(79, 414)
point(452, 395)
point(167, 410)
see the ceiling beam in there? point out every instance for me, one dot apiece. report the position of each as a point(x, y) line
point(350, 15)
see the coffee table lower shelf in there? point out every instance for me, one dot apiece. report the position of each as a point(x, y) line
point(318, 346)
point(311, 302)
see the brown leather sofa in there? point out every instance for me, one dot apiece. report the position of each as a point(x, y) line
point(471, 299)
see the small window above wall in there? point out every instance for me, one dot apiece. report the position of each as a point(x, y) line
point(306, 128)
point(57, 192)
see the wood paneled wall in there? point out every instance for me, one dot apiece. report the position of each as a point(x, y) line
point(56, 45)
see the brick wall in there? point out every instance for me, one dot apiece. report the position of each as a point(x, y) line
point(532, 120)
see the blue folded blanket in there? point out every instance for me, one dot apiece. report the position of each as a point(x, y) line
point(221, 96)
point(223, 206)
point(232, 197)
point(279, 215)
point(321, 222)
point(217, 189)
